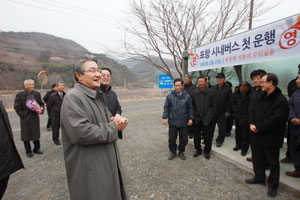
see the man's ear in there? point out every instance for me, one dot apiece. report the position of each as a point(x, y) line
point(78, 76)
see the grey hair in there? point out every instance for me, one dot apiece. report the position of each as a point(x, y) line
point(60, 82)
point(77, 67)
point(27, 81)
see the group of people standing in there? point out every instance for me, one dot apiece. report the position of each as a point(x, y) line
point(260, 112)
point(195, 111)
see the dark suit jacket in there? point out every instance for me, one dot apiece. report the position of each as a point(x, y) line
point(205, 106)
point(54, 103)
point(270, 115)
point(223, 97)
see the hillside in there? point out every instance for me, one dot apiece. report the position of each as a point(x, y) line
point(24, 54)
point(144, 70)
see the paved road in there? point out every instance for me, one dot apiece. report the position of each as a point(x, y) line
point(148, 173)
point(127, 107)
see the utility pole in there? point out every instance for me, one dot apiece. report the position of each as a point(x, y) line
point(251, 14)
point(185, 56)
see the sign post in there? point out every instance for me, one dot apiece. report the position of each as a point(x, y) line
point(164, 82)
point(42, 79)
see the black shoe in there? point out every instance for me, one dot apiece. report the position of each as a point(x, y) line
point(57, 142)
point(254, 181)
point(218, 144)
point(244, 153)
point(295, 173)
point(197, 153)
point(206, 156)
point(272, 192)
point(236, 148)
point(249, 159)
point(227, 134)
point(37, 152)
point(286, 160)
point(171, 156)
point(181, 155)
point(29, 155)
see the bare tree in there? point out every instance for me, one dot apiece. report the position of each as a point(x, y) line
point(167, 28)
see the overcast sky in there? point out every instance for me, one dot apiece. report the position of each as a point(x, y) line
point(97, 25)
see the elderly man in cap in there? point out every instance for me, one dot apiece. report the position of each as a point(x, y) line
point(223, 95)
point(89, 135)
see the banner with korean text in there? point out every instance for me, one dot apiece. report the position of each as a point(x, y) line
point(273, 41)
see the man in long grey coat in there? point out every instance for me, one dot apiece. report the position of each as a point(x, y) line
point(89, 134)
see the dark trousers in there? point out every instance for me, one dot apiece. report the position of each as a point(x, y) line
point(28, 146)
point(183, 138)
point(295, 154)
point(3, 186)
point(242, 137)
point(288, 154)
point(208, 134)
point(191, 130)
point(221, 122)
point(49, 122)
point(262, 156)
point(55, 127)
point(229, 123)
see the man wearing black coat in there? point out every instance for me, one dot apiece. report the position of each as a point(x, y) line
point(110, 97)
point(256, 92)
point(294, 141)
point(10, 160)
point(54, 106)
point(46, 97)
point(189, 87)
point(223, 95)
point(205, 106)
point(291, 88)
point(267, 125)
point(29, 117)
point(240, 106)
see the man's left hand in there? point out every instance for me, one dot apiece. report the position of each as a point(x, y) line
point(190, 122)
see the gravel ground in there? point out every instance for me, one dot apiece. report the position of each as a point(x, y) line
point(148, 172)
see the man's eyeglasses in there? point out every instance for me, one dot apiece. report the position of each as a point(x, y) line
point(93, 70)
point(105, 75)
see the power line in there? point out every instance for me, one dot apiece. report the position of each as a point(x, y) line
point(77, 9)
point(60, 12)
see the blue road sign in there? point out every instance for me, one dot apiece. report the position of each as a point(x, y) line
point(165, 81)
